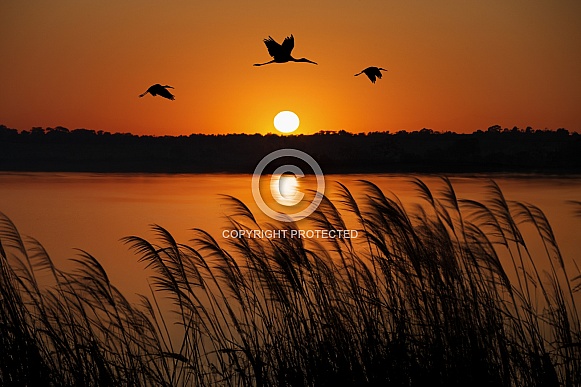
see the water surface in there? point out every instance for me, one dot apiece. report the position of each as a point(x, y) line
point(92, 212)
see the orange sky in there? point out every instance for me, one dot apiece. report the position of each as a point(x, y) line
point(457, 65)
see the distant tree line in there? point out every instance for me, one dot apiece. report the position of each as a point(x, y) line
point(495, 150)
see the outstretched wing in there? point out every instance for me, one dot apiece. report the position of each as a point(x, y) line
point(288, 44)
point(274, 49)
point(163, 92)
point(372, 72)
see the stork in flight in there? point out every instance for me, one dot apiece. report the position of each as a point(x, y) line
point(282, 52)
point(372, 72)
point(160, 90)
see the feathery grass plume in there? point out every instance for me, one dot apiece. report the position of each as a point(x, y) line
point(577, 212)
point(76, 328)
point(444, 292)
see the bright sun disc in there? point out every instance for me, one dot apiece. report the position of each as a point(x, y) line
point(286, 121)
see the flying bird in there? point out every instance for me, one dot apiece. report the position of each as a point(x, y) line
point(160, 90)
point(372, 72)
point(282, 52)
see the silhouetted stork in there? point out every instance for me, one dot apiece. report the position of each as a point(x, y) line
point(372, 72)
point(282, 52)
point(160, 90)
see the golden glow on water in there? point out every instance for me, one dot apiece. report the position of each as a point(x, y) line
point(285, 190)
point(93, 212)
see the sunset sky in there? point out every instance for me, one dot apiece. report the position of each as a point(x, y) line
point(453, 65)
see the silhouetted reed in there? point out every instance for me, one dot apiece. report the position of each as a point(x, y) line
point(445, 292)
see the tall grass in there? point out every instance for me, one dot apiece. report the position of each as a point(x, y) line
point(445, 293)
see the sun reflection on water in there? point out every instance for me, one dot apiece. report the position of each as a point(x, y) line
point(285, 189)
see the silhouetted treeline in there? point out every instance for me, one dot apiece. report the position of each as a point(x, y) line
point(493, 150)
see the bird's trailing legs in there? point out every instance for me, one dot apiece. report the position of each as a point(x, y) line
point(262, 64)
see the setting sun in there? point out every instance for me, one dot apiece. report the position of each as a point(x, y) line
point(168, 218)
point(286, 121)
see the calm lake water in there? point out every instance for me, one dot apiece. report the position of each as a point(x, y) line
point(92, 212)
